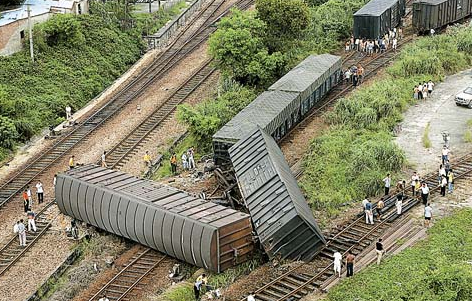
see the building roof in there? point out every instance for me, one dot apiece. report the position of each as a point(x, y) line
point(375, 7)
point(38, 7)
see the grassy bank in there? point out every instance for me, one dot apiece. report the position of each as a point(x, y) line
point(76, 57)
point(435, 269)
point(349, 161)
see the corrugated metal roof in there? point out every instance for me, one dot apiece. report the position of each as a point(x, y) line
point(309, 72)
point(274, 200)
point(38, 7)
point(286, 93)
point(375, 7)
point(261, 112)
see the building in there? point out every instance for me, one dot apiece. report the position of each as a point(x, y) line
point(14, 23)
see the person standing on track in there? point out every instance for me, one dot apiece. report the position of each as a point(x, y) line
point(380, 206)
point(379, 249)
point(21, 230)
point(104, 298)
point(337, 263)
point(399, 203)
point(424, 193)
point(40, 192)
point(31, 221)
point(251, 297)
point(350, 264)
point(71, 162)
point(369, 215)
point(443, 185)
point(104, 159)
point(414, 178)
point(387, 181)
point(444, 154)
point(28, 192)
point(450, 181)
point(25, 201)
point(428, 215)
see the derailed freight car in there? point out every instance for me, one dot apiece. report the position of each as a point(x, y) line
point(281, 216)
point(163, 218)
point(434, 14)
point(377, 17)
point(284, 105)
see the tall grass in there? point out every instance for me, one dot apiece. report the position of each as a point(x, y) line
point(425, 139)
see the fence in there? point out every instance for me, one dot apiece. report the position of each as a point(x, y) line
point(161, 38)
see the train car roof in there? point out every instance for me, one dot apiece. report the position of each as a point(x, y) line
point(434, 2)
point(273, 196)
point(311, 71)
point(375, 7)
point(286, 92)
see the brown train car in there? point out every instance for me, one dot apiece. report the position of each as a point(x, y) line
point(434, 14)
point(163, 218)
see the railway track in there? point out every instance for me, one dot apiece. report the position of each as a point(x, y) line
point(128, 282)
point(355, 237)
point(183, 44)
point(11, 252)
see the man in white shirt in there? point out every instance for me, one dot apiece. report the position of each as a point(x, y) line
point(424, 193)
point(414, 177)
point(21, 230)
point(251, 297)
point(445, 154)
point(40, 192)
point(430, 86)
point(428, 215)
point(337, 263)
point(387, 182)
point(104, 298)
point(104, 159)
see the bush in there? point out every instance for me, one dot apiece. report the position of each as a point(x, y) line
point(8, 132)
point(436, 269)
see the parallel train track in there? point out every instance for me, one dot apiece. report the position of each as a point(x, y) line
point(127, 283)
point(182, 45)
point(11, 252)
point(354, 237)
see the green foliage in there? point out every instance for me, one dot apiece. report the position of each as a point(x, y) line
point(8, 132)
point(62, 29)
point(181, 292)
point(286, 20)
point(349, 160)
point(436, 269)
point(468, 132)
point(425, 139)
point(206, 118)
point(348, 164)
point(239, 50)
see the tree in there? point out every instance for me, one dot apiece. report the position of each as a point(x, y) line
point(8, 132)
point(64, 29)
point(239, 50)
point(286, 20)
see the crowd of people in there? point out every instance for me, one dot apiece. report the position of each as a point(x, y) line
point(379, 45)
point(19, 227)
point(354, 75)
point(187, 159)
point(423, 90)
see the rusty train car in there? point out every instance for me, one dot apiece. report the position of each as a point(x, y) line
point(166, 219)
point(281, 216)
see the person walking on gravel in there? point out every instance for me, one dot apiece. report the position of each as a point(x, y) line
point(71, 162)
point(31, 221)
point(26, 203)
point(40, 192)
point(379, 249)
point(428, 215)
point(337, 263)
point(104, 159)
point(430, 87)
point(387, 181)
point(443, 185)
point(450, 181)
point(424, 193)
point(21, 230)
point(147, 159)
point(350, 258)
point(173, 164)
point(441, 173)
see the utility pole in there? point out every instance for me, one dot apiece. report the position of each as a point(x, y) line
point(30, 29)
point(150, 10)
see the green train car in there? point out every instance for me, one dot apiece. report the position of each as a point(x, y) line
point(435, 14)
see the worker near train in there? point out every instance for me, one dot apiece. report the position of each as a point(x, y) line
point(40, 192)
point(199, 283)
point(71, 162)
point(147, 159)
point(173, 163)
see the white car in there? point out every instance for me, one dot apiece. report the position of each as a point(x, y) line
point(465, 98)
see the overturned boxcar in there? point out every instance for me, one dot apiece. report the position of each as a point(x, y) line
point(281, 216)
point(285, 104)
point(163, 218)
